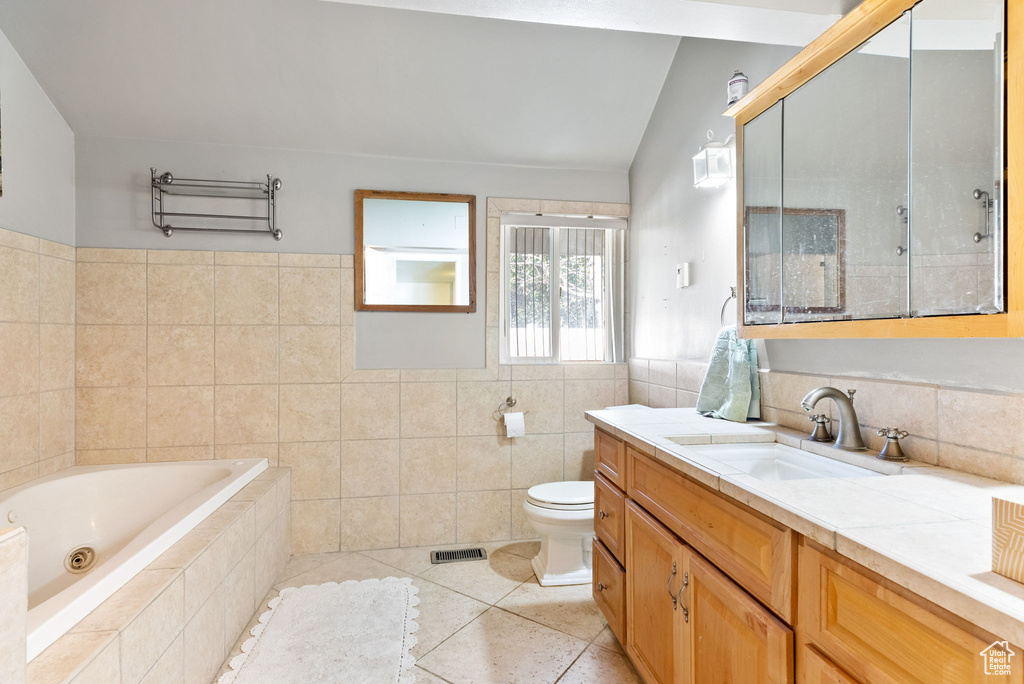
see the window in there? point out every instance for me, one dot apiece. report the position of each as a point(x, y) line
point(561, 294)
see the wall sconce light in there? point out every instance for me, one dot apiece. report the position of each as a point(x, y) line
point(712, 165)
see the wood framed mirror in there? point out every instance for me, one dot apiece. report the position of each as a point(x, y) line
point(415, 251)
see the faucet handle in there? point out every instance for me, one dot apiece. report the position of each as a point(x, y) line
point(891, 433)
point(891, 450)
point(819, 418)
point(850, 393)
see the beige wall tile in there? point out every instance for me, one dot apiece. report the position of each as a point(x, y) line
point(545, 401)
point(493, 244)
point(914, 409)
point(309, 260)
point(180, 295)
point(370, 468)
point(56, 290)
point(180, 355)
point(661, 397)
point(310, 353)
point(621, 391)
point(310, 296)
point(639, 370)
point(316, 468)
point(348, 351)
point(537, 459)
point(245, 258)
point(979, 462)
point(347, 307)
point(310, 413)
point(110, 356)
point(56, 423)
point(239, 598)
point(978, 419)
point(639, 392)
point(19, 476)
point(180, 416)
point(49, 466)
point(428, 465)
point(145, 639)
point(372, 375)
point(686, 399)
point(579, 456)
point(56, 357)
point(786, 390)
point(56, 249)
point(521, 527)
point(315, 526)
point(245, 414)
point(60, 661)
point(174, 256)
point(586, 395)
point(690, 375)
point(537, 371)
point(427, 375)
point(484, 463)
point(610, 209)
point(110, 418)
point(369, 523)
point(19, 297)
point(590, 371)
point(562, 207)
point(370, 411)
point(427, 519)
point(12, 238)
point(246, 295)
point(496, 205)
point(491, 298)
point(477, 404)
point(113, 256)
point(205, 635)
point(428, 409)
point(347, 261)
point(246, 354)
point(237, 451)
point(170, 668)
point(19, 358)
point(110, 294)
point(179, 453)
point(662, 373)
point(484, 516)
point(109, 456)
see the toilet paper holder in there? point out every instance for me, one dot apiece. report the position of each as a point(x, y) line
point(509, 402)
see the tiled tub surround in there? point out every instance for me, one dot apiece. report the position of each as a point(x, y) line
point(176, 620)
point(966, 430)
point(196, 355)
point(128, 514)
point(13, 603)
point(927, 529)
point(37, 357)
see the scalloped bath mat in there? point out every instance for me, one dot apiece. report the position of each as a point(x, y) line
point(333, 633)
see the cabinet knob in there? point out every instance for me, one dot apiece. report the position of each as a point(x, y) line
point(601, 587)
point(602, 515)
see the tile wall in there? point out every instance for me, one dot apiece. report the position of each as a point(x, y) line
point(13, 603)
point(197, 355)
point(665, 384)
point(37, 357)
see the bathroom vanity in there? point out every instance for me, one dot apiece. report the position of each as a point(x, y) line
point(707, 573)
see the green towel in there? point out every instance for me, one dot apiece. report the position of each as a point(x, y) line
point(731, 389)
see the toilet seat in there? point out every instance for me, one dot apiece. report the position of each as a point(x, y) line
point(562, 496)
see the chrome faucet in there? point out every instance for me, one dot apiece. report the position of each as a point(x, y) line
point(849, 436)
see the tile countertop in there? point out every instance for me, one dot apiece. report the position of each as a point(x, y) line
point(928, 530)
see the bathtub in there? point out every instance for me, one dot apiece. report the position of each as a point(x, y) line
point(93, 528)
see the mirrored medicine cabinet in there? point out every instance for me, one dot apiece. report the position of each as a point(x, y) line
point(873, 194)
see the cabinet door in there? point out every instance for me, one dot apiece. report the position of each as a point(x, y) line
point(609, 590)
point(610, 457)
point(730, 638)
point(814, 668)
point(654, 575)
point(609, 507)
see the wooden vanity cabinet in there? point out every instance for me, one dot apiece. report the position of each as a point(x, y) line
point(609, 516)
point(610, 457)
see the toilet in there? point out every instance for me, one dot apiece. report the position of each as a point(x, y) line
point(563, 515)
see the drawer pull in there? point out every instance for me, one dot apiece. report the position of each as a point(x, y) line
point(601, 587)
point(686, 614)
point(602, 515)
point(668, 587)
point(686, 583)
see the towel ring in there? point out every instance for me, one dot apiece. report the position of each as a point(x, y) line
point(732, 296)
point(505, 405)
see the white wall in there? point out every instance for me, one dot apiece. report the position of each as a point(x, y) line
point(674, 222)
point(38, 156)
point(315, 211)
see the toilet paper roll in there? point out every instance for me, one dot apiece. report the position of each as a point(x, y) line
point(515, 425)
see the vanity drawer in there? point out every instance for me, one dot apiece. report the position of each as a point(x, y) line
point(610, 516)
point(610, 457)
point(756, 552)
point(881, 635)
point(610, 590)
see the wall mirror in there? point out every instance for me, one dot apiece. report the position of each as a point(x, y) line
point(415, 252)
point(874, 189)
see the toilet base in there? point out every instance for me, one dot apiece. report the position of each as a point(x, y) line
point(563, 561)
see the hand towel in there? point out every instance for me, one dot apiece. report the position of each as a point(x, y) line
point(731, 389)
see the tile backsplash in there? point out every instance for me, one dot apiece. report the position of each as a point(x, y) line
point(37, 357)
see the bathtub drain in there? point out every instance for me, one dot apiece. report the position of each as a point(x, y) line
point(80, 560)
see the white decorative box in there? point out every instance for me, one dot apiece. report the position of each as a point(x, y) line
point(1008, 538)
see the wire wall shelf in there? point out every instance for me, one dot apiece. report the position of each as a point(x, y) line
point(239, 193)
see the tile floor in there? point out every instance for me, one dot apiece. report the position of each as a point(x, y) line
point(484, 622)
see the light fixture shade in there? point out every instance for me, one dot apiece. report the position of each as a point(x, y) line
point(712, 165)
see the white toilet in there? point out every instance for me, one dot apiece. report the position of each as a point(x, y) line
point(563, 515)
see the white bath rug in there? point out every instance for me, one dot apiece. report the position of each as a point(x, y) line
point(353, 632)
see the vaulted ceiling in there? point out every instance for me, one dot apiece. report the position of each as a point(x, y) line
point(512, 84)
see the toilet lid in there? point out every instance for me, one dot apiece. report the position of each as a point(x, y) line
point(573, 495)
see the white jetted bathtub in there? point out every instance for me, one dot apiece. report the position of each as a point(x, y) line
point(93, 528)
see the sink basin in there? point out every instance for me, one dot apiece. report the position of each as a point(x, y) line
point(775, 462)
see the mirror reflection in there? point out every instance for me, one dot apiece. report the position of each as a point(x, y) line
point(416, 251)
